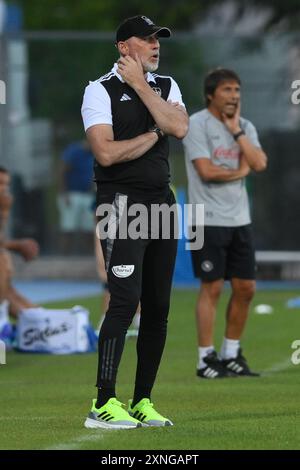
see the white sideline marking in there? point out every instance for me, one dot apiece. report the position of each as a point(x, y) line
point(73, 444)
point(278, 367)
point(77, 442)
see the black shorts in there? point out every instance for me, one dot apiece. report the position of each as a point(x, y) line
point(227, 252)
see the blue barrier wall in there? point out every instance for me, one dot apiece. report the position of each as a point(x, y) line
point(183, 275)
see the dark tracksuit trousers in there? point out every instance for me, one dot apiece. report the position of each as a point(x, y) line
point(149, 265)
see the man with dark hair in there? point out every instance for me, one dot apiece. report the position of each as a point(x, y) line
point(11, 301)
point(128, 115)
point(214, 78)
point(221, 148)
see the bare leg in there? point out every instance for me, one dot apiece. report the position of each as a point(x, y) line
point(17, 302)
point(5, 274)
point(238, 307)
point(206, 311)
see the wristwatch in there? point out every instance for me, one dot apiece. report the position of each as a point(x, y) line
point(238, 134)
point(157, 131)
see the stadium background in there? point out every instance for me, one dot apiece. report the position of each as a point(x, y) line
point(46, 69)
point(46, 73)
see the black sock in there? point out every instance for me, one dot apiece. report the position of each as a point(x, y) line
point(140, 393)
point(104, 394)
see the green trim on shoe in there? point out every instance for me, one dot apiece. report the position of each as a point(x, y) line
point(112, 415)
point(146, 414)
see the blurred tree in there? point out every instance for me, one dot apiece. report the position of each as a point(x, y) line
point(287, 11)
point(106, 14)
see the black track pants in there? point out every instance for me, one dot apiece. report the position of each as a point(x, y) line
point(137, 270)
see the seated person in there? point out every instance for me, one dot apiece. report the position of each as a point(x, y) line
point(11, 301)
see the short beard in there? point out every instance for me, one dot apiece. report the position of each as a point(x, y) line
point(148, 67)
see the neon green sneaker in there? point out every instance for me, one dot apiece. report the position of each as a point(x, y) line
point(146, 414)
point(110, 416)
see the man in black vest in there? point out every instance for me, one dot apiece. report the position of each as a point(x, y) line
point(128, 115)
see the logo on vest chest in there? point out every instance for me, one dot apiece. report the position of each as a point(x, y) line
point(125, 97)
point(157, 90)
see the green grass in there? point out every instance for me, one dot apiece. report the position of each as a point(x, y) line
point(44, 399)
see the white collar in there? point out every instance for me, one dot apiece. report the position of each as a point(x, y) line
point(150, 77)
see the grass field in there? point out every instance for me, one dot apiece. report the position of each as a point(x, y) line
point(44, 399)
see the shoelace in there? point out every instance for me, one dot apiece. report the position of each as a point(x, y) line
point(118, 403)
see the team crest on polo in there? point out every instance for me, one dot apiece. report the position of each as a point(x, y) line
point(157, 90)
point(123, 270)
point(207, 266)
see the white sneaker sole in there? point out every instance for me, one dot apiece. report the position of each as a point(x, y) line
point(93, 424)
point(157, 425)
point(161, 425)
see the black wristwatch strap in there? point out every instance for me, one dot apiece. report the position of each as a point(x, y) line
point(238, 134)
point(158, 131)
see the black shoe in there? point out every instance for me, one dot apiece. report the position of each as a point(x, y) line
point(239, 366)
point(214, 368)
